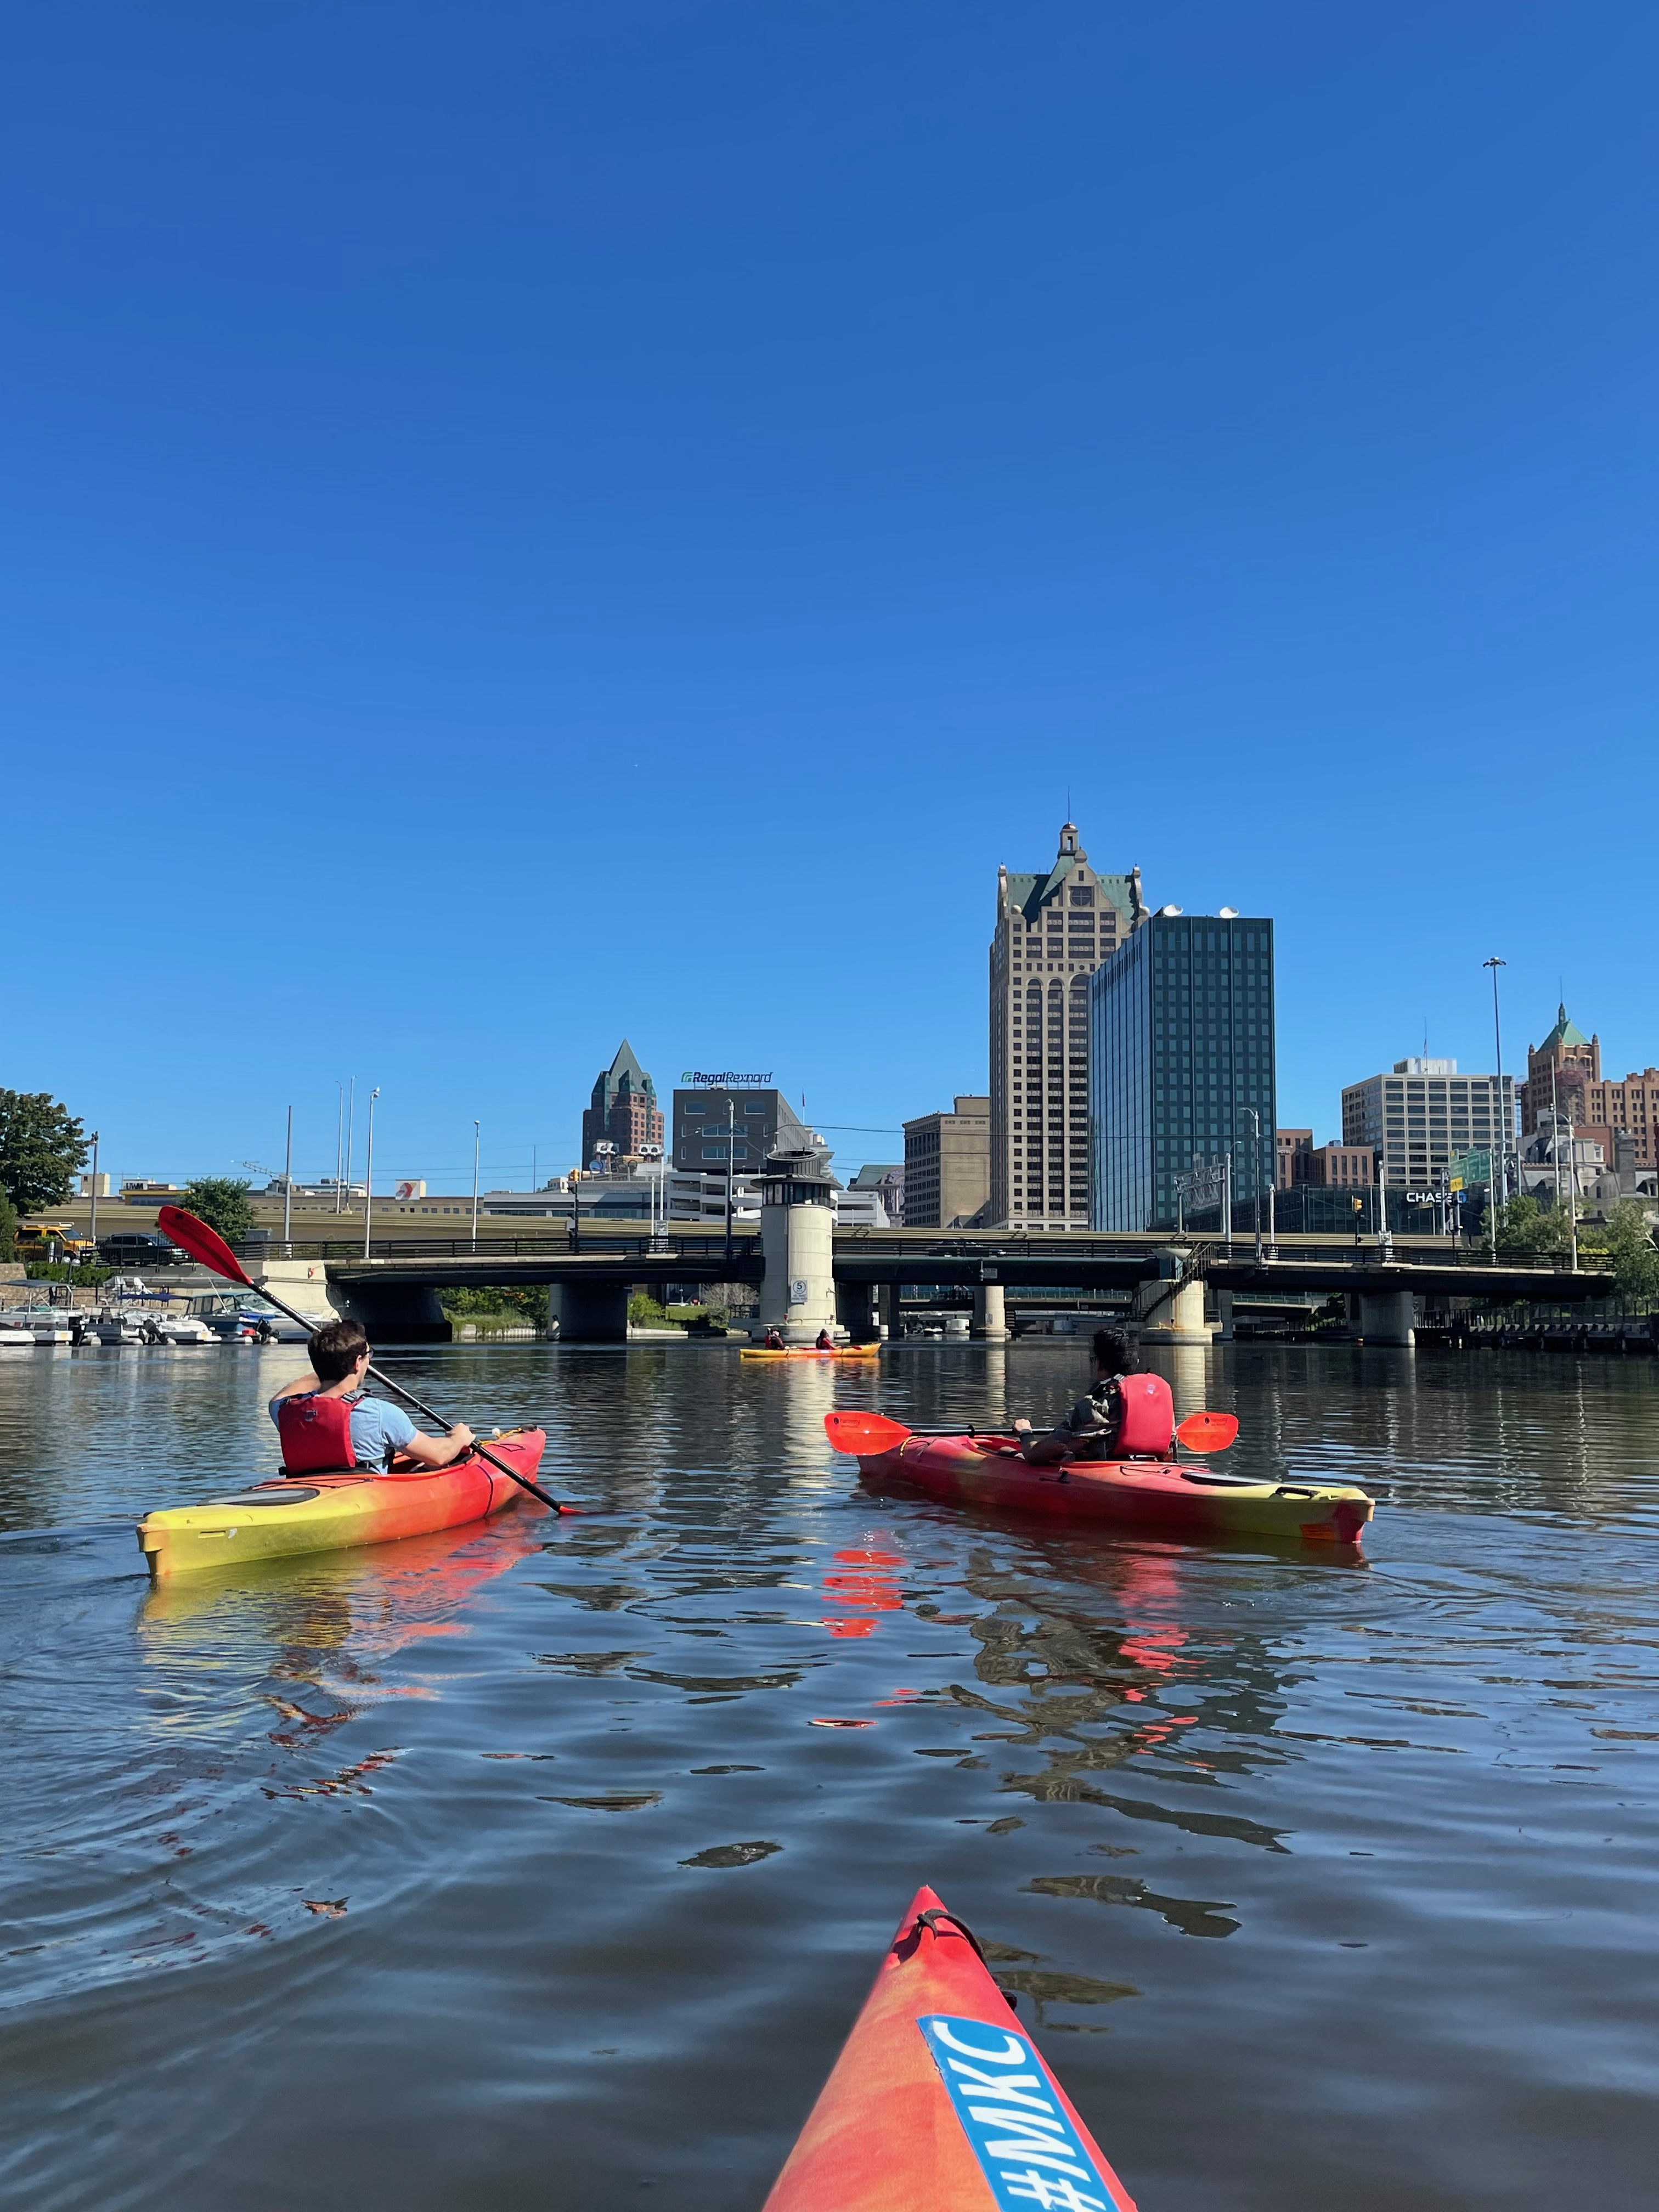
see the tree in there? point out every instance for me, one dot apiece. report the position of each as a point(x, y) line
point(222, 1203)
point(1527, 1226)
point(7, 1228)
point(41, 1147)
point(1627, 1244)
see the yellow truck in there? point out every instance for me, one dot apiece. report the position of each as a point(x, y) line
point(53, 1240)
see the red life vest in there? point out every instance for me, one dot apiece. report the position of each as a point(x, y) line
point(316, 1434)
point(1148, 1429)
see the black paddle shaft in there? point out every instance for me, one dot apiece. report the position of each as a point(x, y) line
point(409, 1398)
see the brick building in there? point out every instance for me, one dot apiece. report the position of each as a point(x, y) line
point(623, 1109)
point(1566, 1072)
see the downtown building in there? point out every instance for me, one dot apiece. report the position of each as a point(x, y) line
point(1565, 1080)
point(622, 1111)
point(1053, 933)
point(947, 1167)
point(1418, 1118)
point(1181, 1067)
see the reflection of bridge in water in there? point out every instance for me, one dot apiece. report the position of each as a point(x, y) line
point(1160, 1284)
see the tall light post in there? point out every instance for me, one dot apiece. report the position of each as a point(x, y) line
point(730, 1147)
point(1255, 1177)
point(339, 1139)
point(92, 1228)
point(474, 1186)
point(1500, 1152)
point(288, 1188)
point(368, 1173)
point(1572, 1199)
point(351, 1113)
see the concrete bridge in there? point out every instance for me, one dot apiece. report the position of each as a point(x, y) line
point(807, 1276)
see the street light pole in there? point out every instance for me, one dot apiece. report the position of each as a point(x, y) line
point(368, 1172)
point(730, 1146)
point(351, 1116)
point(288, 1188)
point(1256, 1178)
point(339, 1139)
point(1572, 1201)
point(474, 1186)
point(1499, 1165)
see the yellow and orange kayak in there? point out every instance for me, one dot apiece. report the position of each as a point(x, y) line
point(331, 1512)
point(811, 1352)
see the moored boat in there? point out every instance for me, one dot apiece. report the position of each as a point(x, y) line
point(939, 2101)
point(331, 1512)
point(1166, 1495)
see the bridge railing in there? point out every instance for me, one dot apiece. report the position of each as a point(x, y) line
point(591, 1245)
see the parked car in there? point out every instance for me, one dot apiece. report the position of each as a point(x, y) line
point(135, 1248)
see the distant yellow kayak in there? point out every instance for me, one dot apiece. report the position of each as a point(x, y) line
point(811, 1352)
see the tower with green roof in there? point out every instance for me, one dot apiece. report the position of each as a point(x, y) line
point(1567, 1061)
point(622, 1110)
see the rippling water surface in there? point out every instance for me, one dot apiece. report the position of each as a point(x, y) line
point(519, 1866)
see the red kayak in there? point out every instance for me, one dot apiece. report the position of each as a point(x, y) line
point(939, 2102)
point(1167, 1496)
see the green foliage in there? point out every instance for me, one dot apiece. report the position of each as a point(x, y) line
point(1528, 1226)
point(222, 1203)
point(88, 1276)
point(644, 1312)
point(1625, 1243)
point(41, 1147)
point(7, 1228)
point(514, 1303)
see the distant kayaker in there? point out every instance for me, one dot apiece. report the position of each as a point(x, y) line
point(326, 1421)
point(773, 1342)
point(825, 1343)
point(1108, 1423)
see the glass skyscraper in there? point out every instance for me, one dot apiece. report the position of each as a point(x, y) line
point(1180, 1045)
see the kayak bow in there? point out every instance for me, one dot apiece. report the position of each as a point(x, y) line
point(939, 2102)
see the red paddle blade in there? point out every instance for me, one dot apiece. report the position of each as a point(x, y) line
point(863, 1434)
point(1207, 1432)
point(202, 1243)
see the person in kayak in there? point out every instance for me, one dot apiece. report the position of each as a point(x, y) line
point(326, 1421)
point(1113, 1421)
point(825, 1343)
point(773, 1342)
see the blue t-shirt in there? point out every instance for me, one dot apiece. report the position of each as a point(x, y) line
point(378, 1429)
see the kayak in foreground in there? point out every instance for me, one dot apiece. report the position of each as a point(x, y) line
point(331, 1512)
point(811, 1352)
point(1161, 1494)
point(939, 2102)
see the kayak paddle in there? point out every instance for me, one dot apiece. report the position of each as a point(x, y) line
point(207, 1245)
point(864, 1435)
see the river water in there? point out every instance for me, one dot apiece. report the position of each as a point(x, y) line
point(516, 1867)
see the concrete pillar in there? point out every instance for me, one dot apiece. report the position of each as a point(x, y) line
point(798, 1295)
point(1387, 1317)
point(396, 1313)
point(884, 1297)
point(1224, 1316)
point(853, 1304)
point(592, 1313)
point(1175, 1314)
point(990, 1315)
point(303, 1285)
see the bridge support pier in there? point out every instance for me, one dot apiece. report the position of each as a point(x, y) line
point(990, 1313)
point(1387, 1317)
point(303, 1285)
point(592, 1313)
point(798, 1296)
point(394, 1313)
point(855, 1310)
point(1174, 1309)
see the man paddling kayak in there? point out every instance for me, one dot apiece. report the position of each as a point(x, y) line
point(1110, 1422)
point(326, 1421)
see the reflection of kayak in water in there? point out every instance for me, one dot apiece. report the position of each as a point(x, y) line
point(1163, 1494)
point(329, 1512)
point(811, 1352)
point(939, 2099)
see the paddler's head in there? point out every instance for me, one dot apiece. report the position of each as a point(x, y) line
point(1110, 1354)
point(340, 1353)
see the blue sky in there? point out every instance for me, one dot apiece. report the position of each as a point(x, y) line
point(527, 523)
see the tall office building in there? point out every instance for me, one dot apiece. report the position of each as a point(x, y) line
point(1181, 1033)
point(1414, 1120)
point(1052, 932)
point(622, 1110)
point(947, 1167)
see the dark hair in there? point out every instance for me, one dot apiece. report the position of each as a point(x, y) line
point(336, 1348)
point(1112, 1351)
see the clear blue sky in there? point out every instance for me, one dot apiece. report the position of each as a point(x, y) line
point(529, 523)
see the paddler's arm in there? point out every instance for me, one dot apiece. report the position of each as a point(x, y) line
point(437, 1451)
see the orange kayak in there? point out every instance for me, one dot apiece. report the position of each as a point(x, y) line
point(331, 1512)
point(940, 2102)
